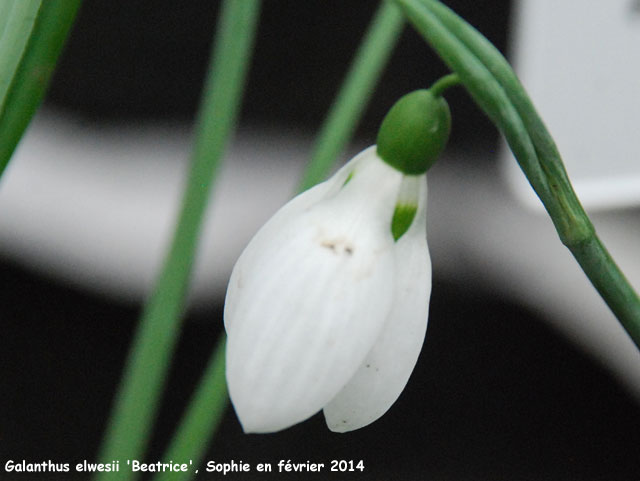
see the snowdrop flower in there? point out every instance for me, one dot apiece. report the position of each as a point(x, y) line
point(327, 306)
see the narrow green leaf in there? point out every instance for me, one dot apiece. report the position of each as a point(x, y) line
point(29, 66)
point(372, 55)
point(201, 419)
point(145, 373)
point(18, 17)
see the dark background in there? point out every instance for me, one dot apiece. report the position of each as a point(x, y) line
point(496, 394)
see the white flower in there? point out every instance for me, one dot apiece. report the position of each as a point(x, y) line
point(325, 310)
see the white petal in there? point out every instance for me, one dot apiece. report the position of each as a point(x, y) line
point(291, 209)
point(311, 302)
point(387, 367)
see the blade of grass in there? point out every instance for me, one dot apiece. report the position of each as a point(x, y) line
point(496, 89)
point(372, 55)
point(24, 84)
point(203, 412)
point(157, 334)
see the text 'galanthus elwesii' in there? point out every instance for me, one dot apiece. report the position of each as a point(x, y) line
point(327, 306)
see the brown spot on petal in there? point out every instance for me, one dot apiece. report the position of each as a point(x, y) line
point(338, 246)
point(329, 245)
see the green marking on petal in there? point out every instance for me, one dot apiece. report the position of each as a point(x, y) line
point(348, 178)
point(402, 219)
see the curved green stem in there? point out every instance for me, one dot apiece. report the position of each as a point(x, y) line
point(491, 82)
point(439, 86)
point(158, 331)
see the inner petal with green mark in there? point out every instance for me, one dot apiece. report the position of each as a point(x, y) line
point(402, 219)
point(406, 205)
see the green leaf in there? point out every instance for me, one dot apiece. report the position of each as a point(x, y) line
point(33, 34)
point(356, 90)
point(201, 419)
point(159, 328)
point(18, 18)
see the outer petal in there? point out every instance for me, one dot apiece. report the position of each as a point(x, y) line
point(387, 367)
point(296, 206)
point(309, 303)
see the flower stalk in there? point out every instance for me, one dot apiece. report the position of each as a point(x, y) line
point(493, 85)
point(444, 83)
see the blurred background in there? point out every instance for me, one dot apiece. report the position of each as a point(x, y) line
point(524, 374)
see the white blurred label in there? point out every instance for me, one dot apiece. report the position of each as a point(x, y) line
point(580, 62)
